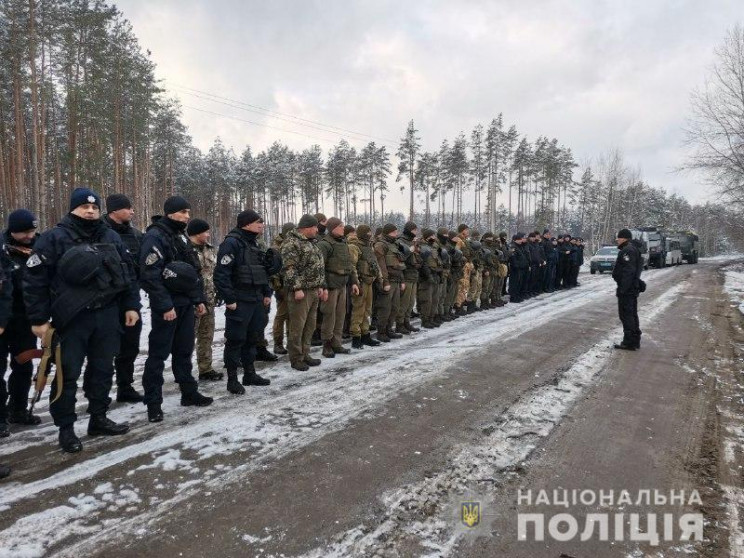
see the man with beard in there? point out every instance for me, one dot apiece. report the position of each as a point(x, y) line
point(119, 218)
point(169, 273)
point(17, 338)
point(78, 279)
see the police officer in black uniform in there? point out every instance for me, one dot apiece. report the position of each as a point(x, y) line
point(519, 265)
point(18, 241)
point(6, 287)
point(77, 277)
point(627, 275)
point(169, 273)
point(119, 217)
point(241, 278)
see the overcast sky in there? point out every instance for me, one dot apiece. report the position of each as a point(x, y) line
point(592, 73)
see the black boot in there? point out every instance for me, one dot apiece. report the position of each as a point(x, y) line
point(4, 430)
point(402, 329)
point(279, 348)
point(211, 376)
point(426, 323)
point(356, 342)
point(233, 385)
point(154, 412)
point(328, 351)
point(300, 365)
point(195, 399)
point(367, 340)
point(4, 470)
point(340, 349)
point(263, 354)
point(127, 394)
point(253, 379)
point(624, 347)
point(310, 361)
point(22, 416)
point(393, 334)
point(410, 328)
point(68, 441)
point(101, 425)
point(382, 336)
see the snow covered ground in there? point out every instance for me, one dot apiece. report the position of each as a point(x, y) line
point(168, 463)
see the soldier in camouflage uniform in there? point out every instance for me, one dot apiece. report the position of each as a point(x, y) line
point(303, 276)
point(476, 277)
point(430, 280)
point(198, 233)
point(441, 315)
point(390, 260)
point(490, 269)
point(368, 272)
point(281, 319)
point(413, 261)
point(340, 272)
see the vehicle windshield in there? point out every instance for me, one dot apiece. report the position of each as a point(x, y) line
point(609, 251)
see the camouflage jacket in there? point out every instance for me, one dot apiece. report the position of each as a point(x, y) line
point(363, 257)
point(208, 261)
point(275, 281)
point(303, 266)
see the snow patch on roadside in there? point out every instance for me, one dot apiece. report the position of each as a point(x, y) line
point(734, 284)
point(416, 510)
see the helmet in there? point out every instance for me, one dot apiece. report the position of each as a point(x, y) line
point(80, 265)
point(180, 277)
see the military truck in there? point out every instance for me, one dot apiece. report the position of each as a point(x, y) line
point(689, 245)
point(657, 246)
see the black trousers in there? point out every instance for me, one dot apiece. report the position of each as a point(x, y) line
point(95, 335)
point(16, 339)
point(174, 339)
point(128, 352)
point(516, 278)
point(244, 326)
point(627, 306)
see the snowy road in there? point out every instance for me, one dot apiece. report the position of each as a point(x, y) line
point(371, 453)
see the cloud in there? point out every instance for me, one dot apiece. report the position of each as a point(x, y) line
point(595, 75)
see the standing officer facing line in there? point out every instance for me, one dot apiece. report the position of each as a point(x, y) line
point(81, 272)
point(169, 273)
point(627, 275)
point(242, 281)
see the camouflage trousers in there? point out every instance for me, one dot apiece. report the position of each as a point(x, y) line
point(334, 312)
point(427, 299)
point(452, 290)
point(302, 317)
point(281, 318)
point(476, 285)
point(407, 302)
point(498, 288)
point(486, 292)
point(463, 287)
point(387, 307)
point(361, 309)
point(204, 332)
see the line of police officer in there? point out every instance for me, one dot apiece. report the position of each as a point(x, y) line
point(83, 278)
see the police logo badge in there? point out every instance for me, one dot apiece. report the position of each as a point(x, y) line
point(91, 199)
point(151, 258)
point(226, 259)
point(33, 261)
point(470, 514)
point(169, 274)
point(626, 257)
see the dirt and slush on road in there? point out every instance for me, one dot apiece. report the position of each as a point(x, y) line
point(377, 453)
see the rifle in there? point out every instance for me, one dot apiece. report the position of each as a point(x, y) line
point(51, 354)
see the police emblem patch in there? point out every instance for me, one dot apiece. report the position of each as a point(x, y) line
point(169, 274)
point(226, 259)
point(470, 513)
point(33, 261)
point(626, 257)
point(151, 258)
point(91, 199)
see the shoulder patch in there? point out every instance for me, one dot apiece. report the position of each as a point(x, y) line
point(169, 274)
point(33, 261)
point(226, 259)
point(626, 257)
point(152, 257)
